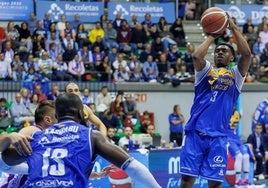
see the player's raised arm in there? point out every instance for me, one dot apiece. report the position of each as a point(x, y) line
point(243, 48)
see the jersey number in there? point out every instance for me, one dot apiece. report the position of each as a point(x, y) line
point(214, 96)
point(57, 169)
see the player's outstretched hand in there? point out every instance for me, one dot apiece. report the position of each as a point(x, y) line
point(101, 174)
point(21, 143)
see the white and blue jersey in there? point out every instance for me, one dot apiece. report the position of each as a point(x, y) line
point(260, 115)
point(216, 93)
point(62, 156)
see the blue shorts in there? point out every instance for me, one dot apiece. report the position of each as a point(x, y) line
point(204, 156)
point(236, 146)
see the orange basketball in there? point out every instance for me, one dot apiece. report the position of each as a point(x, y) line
point(214, 20)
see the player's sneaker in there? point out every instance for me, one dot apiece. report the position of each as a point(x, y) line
point(241, 184)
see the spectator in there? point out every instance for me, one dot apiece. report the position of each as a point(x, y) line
point(76, 21)
point(263, 34)
point(178, 32)
point(104, 69)
point(150, 68)
point(25, 97)
point(110, 120)
point(103, 99)
point(134, 62)
point(176, 121)
point(130, 106)
point(158, 47)
point(120, 74)
point(38, 91)
point(136, 75)
point(76, 68)
point(8, 52)
point(117, 107)
point(25, 38)
point(5, 120)
point(147, 52)
point(53, 93)
point(97, 57)
point(103, 21)
point(53, 29)
point(110, 134)
point(45, 65)
point(47, 21)
point(173, 55)
point(69, 54)
point(134, 20)
point(190, 7)
point(82, 36)
point(19, 113)
point(113, 54)
point(145, 121)
point(188, 58)
point(86, 56)
point(138, 39)
point(251, 36)
point(247, 25)
point(183, 75)
point(60, 70)
point(5, 69)
point(13, 32)
point(257, 48)
point(32, 22)
point(96, 32)
point(61, 23)
point(163, 66)
point(124, 35)
point(32, 76)
point(99, 43)
point(262, 24)
point(110, 36)
point(167, 38)
point(117, 21)
point(85, 97)
point(147, 23)
point(68, 30)
point(17, 68)
point(57, 46)
point(38, 46)
point(256, 141)
point(30, 63)
point(254, 68)
point(34, 104)
point(39, 30)
point(120, 61)
point(68, 40)
point(123, 141)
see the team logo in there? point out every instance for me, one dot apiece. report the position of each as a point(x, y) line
point(44, 140)
point(55, 11)
point(218, 159)
point(120, 9)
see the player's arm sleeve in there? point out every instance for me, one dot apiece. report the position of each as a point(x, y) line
point(17, 169)
point(138, 172)
point(200, 74)
point(239, 79)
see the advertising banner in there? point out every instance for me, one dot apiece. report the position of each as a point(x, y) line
point(140, 9)
point(89, 11)
point(18, 10)
point(242, 12)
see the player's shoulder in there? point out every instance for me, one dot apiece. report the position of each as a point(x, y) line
point(28, 131)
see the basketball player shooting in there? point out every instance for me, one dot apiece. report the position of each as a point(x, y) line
point(216, 91)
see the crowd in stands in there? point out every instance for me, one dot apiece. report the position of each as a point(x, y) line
point(115, 50)
point(116, 112)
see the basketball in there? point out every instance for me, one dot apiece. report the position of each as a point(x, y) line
point(214, 20)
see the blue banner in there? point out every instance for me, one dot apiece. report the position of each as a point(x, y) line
point(18, 10)
point(242, 12)
point(89, 11)
point(140, 9)
point(163, 164)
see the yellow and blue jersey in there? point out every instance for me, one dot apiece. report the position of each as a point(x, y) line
point(216, 92)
